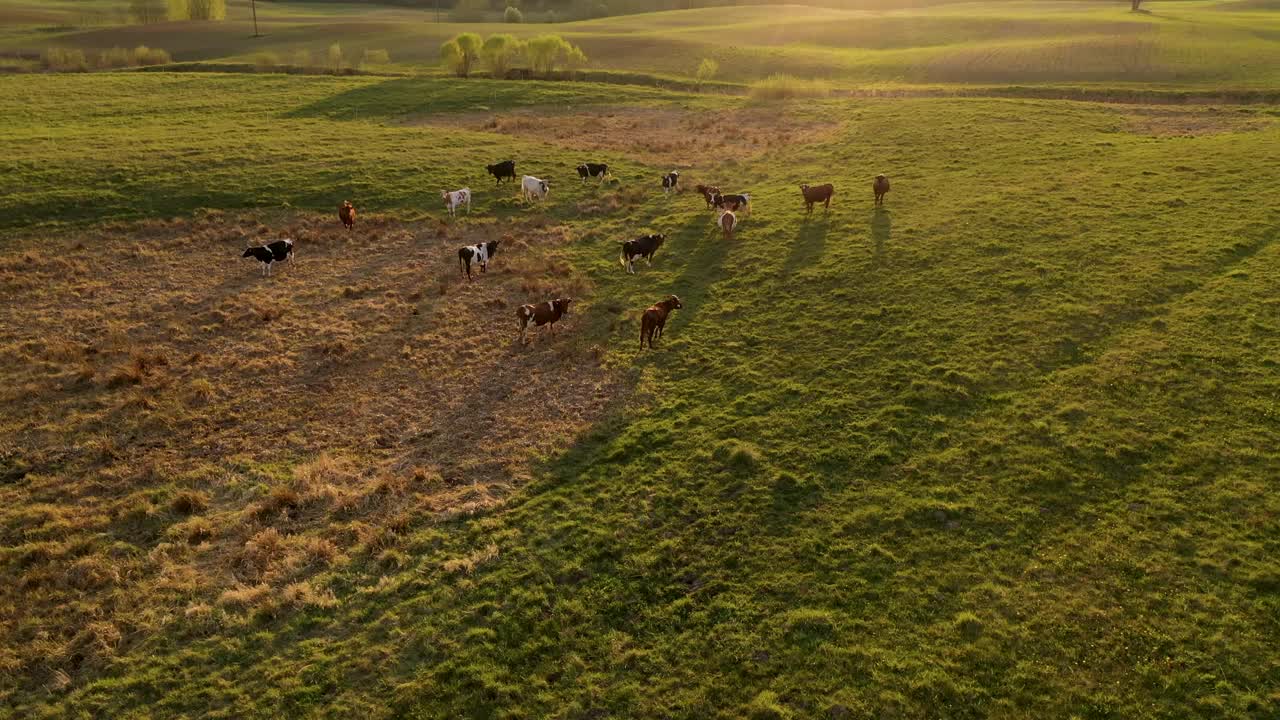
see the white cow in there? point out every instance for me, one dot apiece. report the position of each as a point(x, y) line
point(531, 187)
point(456, 199)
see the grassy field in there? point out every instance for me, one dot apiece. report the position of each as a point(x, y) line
point(1223, 45)
point(1005, 448)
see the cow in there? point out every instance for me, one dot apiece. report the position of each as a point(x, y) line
point(655, 319)
point(669, 182)
point(643, 247)
point(709, 193)
point(732, 202)
point(347, 214)
point(456, 199)
point(817, 194)
point(479, 253)
point(599, 170)
point(546, 313)
point(272, 252)
point(504, 169)
point(727, 222)
point(880, 187)
point(531, 187)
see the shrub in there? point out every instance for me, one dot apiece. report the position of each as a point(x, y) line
point(334, 59)
point(787, 87)
point(265, 61)
point(64, 60)
point(498, 52)
point(114, 58)
point(302, 58)
point(375, 57)
point(148, 11)
point(143, 55)
point(206, 9)
point(707, 70)
point(512, 15)
point(545, 52)
point(460, 53)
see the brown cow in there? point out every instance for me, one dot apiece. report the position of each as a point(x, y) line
point(347, 214)
point(817, 194)
point(880, 186)
point(727, 222)
point(708, 193)
point(655, 319)
point(546, 313)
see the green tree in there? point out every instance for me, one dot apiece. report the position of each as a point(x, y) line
point(512, 15)
point(334, 60)
point(545, 52)
point(707, 70)
point(461, 53)
point(148, 11)
point(498, 52)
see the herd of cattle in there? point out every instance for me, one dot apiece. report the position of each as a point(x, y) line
point(726, 205)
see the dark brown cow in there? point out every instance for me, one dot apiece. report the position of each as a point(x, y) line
point(880, 187)
point(655, 319)
point(347, 214)
point(546, 313)
point(817, 194)
point(727, 222)
point(708, 192)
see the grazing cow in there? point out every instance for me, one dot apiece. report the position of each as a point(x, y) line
point(347, 214)
point(709, 193)
point(817, 194)
point(655, 319)
point(504, 169)
point(669, 182)
point(727, 222)
point(531, 187)
point(880, 187)
point(546, 313)
point(480, 253)
point(270, 253)
point(456, 199)
point(643, 247)
point(599, 170)
point(732, 202)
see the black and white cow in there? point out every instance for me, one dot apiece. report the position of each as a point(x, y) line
point(456, 199)
point(504, 169)
point(669, 181)
point(271, 253)
point(641, 247)
point(599, 170)
point(480, 253)
point(532, 187)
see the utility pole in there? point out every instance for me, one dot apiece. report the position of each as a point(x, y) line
point(254, 5)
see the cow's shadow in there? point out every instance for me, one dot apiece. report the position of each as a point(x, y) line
point(809, 244)
point(703, 267)
point(881, 226)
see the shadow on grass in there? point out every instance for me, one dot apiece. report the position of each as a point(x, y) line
point(811, 240)
point(881, 227)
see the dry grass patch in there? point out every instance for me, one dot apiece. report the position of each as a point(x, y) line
point(1155, 121)
point(652, 135)
point(240, 435)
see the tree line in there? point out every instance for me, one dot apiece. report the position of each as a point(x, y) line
point(544, 54)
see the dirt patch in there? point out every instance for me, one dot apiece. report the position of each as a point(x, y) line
point(1191, 122)
point(670, 137)
point(245, 433)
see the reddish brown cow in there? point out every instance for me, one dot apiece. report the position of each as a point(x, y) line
point(708, 192)
point(727, 222)
point(817, 194)
point(546, 313)
point(655, 319)
point(347, 214)
point(880, 187)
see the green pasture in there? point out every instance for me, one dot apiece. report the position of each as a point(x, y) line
point(1225, 45)
point(1006, 448)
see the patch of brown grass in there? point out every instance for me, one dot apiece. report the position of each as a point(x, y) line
point(1155, 121)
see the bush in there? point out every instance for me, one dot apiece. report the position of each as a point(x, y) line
point(143, 55)
point(375, 57)
point(64, 60)
point(512, 15)
point(788, 87)
point(498, 52)
point(206, 9)
point(334, 59)
point(265, 61)
point(148, 11)
point(301, 58)
point(114, 58)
